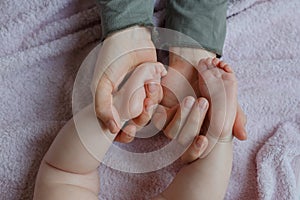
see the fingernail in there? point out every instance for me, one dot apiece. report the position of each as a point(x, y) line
point(112, 126)
point(152, 87)
point(199, 143)
point(203, 104)
point(189, 102)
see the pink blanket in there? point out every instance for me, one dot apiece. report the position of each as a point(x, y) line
point(43, 42)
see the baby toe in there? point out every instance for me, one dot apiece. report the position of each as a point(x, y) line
point(209, 63)
point(222, 64)
point(160, 69)
point(215, 61)
point(228, 69)
point(229, 76)
point(202, 66)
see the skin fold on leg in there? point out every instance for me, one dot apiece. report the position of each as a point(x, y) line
point(69, 168)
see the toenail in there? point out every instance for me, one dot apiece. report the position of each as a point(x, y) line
point(201, 144)
point(189, 102)
point(215, 61)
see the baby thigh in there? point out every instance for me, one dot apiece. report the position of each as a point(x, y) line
point(67, 171)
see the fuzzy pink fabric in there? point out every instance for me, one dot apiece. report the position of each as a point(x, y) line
point(43, 43)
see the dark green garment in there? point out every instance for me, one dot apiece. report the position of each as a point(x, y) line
point(119, 14)
point(202, 20)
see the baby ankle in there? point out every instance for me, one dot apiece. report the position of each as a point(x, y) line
point(227, 139)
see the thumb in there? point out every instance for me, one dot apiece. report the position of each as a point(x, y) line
point(104, 107)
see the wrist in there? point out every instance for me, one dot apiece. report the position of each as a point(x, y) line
point(227, 139)
point(132, 33)
point(225, 136)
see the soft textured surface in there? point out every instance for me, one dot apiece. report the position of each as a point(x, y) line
point(43, 43)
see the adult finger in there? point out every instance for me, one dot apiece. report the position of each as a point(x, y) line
point(194, 122)
point(173, 128)
point(126, 135)
point(239, 124)
point(163, 116)
point(105, 110)
point(195, 149)
point(139, 122)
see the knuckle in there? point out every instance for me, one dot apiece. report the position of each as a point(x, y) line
point(141, 120)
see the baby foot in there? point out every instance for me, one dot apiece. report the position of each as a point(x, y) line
point(130, 98)
point(218, 84)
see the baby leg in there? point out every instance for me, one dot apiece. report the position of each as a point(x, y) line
point(217, 83)
point(69, 168)
point(207, 178)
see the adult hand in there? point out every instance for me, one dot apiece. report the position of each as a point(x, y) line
point(121, 52)
point(183, 123)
